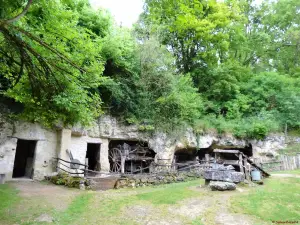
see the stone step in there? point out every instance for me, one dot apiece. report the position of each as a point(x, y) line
point(103, 183)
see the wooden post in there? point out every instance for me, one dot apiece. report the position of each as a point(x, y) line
point(241, 162)
point(122, 164)
point(247, 174)
point(86, 167)
point(207, 159)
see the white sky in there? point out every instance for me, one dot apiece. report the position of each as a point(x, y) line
point(124, 11)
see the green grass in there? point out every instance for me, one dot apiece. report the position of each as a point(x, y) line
point(8, 197)
point(197, 221)
point(170, 194)
point(95, 207)
point(110, 210)
point(276, 200)
point(75, 209)
point(296, 172)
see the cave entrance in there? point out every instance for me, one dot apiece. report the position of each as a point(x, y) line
point(185, 158)
point(93, 156)
point(130, 157)
point(24, 159)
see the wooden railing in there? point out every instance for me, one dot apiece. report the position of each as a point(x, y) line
point(71, 167)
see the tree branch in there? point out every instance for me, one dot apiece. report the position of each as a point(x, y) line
point(21, 14)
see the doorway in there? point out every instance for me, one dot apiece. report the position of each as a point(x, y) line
point(93, 155)
point(24, 158)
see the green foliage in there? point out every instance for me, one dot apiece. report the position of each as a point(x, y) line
point(52, 88)
point(146, 128)
point(231, 68)
point(225, 66)
point(183, 103)
point(66, 180)
point(253, 127)
point(194, 29)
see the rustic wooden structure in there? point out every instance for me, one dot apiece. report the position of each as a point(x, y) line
point(243, 162)
point(125, 159)
point(71, 167)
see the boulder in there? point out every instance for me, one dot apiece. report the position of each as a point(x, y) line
point(221, 186)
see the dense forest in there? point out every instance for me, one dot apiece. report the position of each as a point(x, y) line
point(230, 66)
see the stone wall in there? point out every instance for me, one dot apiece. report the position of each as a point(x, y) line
point(133, 181)
point(44, 152)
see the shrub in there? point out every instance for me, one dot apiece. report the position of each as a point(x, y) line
point(66, 180)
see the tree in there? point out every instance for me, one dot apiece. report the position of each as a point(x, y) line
point(36, 70)
point(193, 30)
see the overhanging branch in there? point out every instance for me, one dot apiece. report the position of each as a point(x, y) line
point(25, 10)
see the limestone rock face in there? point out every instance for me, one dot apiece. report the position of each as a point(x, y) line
point(224, 175)
point(221, 186)
point(269, 146)
point(108, 127)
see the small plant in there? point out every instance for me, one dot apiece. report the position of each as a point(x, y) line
point(65, 179)
point(146, 128)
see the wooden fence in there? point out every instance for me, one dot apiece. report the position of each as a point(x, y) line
point(284, 162)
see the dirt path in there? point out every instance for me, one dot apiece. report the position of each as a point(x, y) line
point(56, 196)
point(214, 209)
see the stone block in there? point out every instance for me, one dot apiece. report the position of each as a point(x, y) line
point(224, 175)
point(221, 186)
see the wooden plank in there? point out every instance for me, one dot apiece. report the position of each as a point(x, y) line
point(207, 159)
point(247, 173)
point(86, 166)
point(231, 162)
point(256, 166)
point(241, 163)
point(226, 151)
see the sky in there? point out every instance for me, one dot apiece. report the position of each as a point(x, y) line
point(125, 12)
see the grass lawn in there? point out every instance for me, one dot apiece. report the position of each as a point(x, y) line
point(97, 207)
point(277, 200)
point(297, 172)
point(8, 197)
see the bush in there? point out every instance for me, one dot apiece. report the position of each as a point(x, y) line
point(66, 180)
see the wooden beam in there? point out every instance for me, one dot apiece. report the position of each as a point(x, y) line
point(241, 163)
point(86, 167)
point(226, 151)
point(207, 159)
point(231, 162)
point(247, 173)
